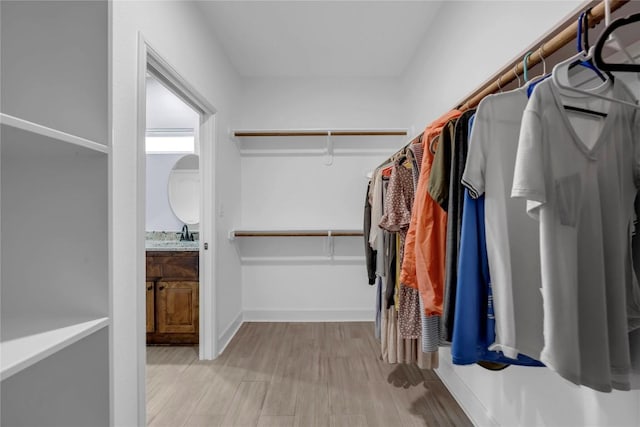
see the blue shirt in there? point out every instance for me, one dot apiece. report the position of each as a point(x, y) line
point(474, 321)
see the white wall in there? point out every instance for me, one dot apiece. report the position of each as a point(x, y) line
point(177, 31)
point(466, 44)
point(449, 65)
point(300, 191)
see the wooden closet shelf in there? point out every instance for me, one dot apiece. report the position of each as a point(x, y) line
point(296, 233)
point(250, 133)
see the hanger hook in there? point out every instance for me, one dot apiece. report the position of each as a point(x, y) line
point(515, 67)
point(585, 31)
point(498, 82)
point(544, 63)
point(525, 68)
point(579, 47)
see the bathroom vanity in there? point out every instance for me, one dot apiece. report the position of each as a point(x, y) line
point(172, 270)
point(172, 296)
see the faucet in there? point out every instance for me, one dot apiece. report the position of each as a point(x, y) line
point(185, 234)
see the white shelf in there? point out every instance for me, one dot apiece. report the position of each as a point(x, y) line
point(28, 126)
point(32, 340)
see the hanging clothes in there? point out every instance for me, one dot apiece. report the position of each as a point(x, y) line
point(474, 329)
point(369, 252)
point(430, 325)
point(423, 266)
point(512, 236)
point(441, 168)
point(580, 183)
point(397, 218)
point(454, 222)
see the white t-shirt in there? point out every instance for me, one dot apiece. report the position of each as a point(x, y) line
point(580, 175)
point(511, 235)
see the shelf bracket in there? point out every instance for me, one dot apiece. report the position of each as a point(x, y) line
point(232, 235)
point(330, 245)
point(328, 161)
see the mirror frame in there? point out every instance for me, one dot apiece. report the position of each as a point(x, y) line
point(170, 192)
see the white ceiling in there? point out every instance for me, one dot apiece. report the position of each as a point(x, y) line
point(320, 38)
point(165, 110)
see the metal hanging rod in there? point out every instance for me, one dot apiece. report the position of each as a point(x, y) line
point(550, 43)
point(258, 133)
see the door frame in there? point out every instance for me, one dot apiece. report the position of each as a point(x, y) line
point(149, 60)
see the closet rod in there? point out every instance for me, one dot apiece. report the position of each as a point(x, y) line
point(550, 44)
point(297, 234)
point(319, 133)
point(413, 140)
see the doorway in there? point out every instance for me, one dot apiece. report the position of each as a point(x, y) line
point(176, 132)
point(172, 218)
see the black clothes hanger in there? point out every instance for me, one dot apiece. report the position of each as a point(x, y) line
point(597, 54)
point(585, 111)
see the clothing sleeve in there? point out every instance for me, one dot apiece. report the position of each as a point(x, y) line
point(636, 147)
point(369, 253)
point(376, 211)
point(474, 171)
point(441, 168)
point(528, 177)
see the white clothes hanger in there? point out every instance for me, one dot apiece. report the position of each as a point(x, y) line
point(533, 81)
point(515, 67)
point(560, 77)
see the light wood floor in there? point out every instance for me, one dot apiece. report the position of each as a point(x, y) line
point(294, 374)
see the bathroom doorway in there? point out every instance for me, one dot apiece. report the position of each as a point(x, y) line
point(172, 218)
point(175, 163)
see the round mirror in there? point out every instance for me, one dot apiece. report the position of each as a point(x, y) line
point(184, 189)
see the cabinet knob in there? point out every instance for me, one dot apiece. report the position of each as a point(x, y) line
point(149, 288)
point(161, 288)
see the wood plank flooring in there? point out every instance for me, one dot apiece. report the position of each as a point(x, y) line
point(294, 374)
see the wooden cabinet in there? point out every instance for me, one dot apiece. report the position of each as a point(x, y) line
point(177, 307)
point(172, 297)
point(151, 306)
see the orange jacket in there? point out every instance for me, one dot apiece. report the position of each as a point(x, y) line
point(423, 267)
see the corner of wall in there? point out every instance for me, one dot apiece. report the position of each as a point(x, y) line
point(229, 332)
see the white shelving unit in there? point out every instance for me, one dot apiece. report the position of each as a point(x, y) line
point(318, 142)
point(54, 318)
point(281, 177)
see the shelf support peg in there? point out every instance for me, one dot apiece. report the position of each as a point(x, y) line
point(329, 154)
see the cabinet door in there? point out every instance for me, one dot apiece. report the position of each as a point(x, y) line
point(177, 306)
point(151, 310)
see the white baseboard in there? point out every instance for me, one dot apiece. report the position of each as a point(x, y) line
point(228, 334)
point(355, 315)
point(468, 401)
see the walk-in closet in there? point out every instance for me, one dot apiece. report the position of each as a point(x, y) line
point(319, 213)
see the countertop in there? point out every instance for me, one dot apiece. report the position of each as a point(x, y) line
point(171, 245)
